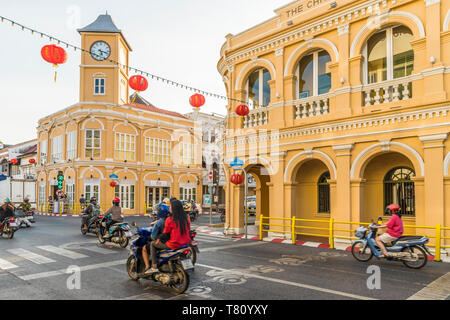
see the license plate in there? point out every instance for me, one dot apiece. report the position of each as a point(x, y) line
point(187, 264)
point(128, 234)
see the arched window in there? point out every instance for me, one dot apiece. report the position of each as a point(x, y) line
point(389, 55)
point(313, 76)
point(323, 188)
point(258, 88)
point(399, 189)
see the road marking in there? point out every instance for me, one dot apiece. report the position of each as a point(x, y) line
point(64, 271)
point(231, 246)
point(63, 252)
point(295, 284)
point(28, 255)
point(116, 263)
point(437, 290)
point(6, 265)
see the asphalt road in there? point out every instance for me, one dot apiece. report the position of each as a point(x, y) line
point(33, 266)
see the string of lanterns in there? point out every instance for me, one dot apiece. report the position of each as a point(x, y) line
point(59, 56)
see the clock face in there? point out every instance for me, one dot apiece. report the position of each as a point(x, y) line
point(100, 51)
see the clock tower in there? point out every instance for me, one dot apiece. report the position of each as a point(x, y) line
point(101, 79)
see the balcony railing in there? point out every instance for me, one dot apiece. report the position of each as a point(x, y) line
point(256, 117)
point(387, 91)
point(312, 106)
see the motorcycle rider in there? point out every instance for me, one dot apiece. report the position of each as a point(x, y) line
point(176, 234)
point(163, 213)
point(6, 210)
point(116, 215)
point(91, 212)
point(394, 229)
point(26, 205)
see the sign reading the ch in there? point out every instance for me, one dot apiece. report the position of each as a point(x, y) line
point(305, 6)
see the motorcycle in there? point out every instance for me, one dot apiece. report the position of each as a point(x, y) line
point(8, 227)
point(222, 215)
point(92, 225)
point(24, 219)
point(119, 233)
point(193, 247)
point(172, 264)
point(410, 250)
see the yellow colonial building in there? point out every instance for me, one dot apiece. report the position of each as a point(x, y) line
point(151, 153)
point(350, 112)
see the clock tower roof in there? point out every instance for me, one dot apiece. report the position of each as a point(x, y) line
point(103, 24)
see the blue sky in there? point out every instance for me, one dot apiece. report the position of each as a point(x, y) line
point(176, 39)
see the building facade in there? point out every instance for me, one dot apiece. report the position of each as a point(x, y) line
point(350, 111)
point(151, 153)
point(20, 178)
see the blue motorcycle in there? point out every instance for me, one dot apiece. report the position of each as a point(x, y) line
point(410, 250)
point(172, 264)
point(119, 233)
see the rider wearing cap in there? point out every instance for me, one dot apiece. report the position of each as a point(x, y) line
point(6, 210)
point(92, 210)
point(116, 215)
point(394, 229)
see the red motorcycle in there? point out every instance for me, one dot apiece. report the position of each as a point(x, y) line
point(8, 227)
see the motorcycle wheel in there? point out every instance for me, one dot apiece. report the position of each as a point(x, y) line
point(420, 262)
point(364, 256)
point(10, 233)
point(123, 240)
point(100, 237)
point(192, 255)
point(183, 280)
point(132, 268)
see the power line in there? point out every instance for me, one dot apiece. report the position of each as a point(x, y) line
point(141, 72)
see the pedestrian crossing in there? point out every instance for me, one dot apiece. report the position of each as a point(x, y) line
point(15, 258)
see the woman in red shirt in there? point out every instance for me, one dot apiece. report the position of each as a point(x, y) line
point(177, 226)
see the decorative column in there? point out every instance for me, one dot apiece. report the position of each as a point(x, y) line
point(342, 101)
point(433, 146)
point(342, 202)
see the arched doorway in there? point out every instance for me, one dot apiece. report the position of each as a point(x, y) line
point(387, 178)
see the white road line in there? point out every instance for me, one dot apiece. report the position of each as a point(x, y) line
point(97, 250)
point(64, 271)
point(28, 255)
point(6, 265)
point(437, 290)
point(290, 283)
point(63, 252)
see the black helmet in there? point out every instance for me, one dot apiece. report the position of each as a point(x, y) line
point(93, 200)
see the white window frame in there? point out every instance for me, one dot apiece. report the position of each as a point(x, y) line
point(43, 154)
point(315, 92)
point(389, 57)
point(98, 86)
point(57, 148)
point(92, 148)
point(91, 192)
point(128, 139)
point(187, 153)
point(71, 145)
point(42, 198)
point(127, 195)
point(156, 150)
point(261, 88)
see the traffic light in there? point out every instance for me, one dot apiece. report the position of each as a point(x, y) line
point(60, 180)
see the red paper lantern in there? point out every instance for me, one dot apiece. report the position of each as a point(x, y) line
point(32, 161)
point(14, 161)
point(197, 100)
point(54, 55)
point(138, 84)
point(113, 184)
point(237, 179)
point(242, 110)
